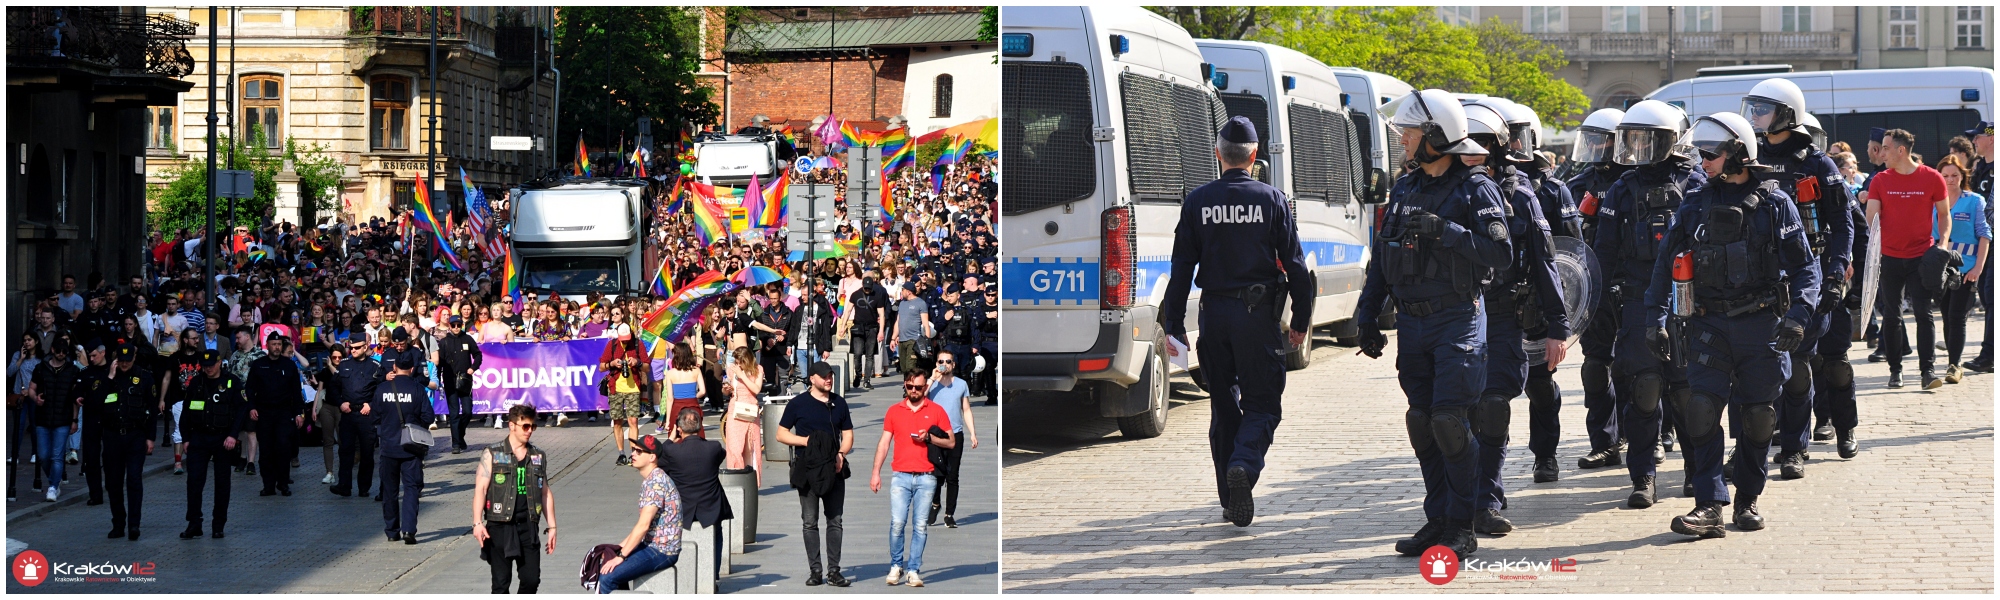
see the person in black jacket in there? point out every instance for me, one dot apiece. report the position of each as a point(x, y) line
point(121, 395)
point(458, 358)
point(214, 412)
point(818, 424)
point(352, 388)
point(693, 463)
point(811, 327)
point(277, 406)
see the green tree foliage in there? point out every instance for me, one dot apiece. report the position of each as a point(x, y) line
point(623, 62)
point(1231, 22)
point(1521, 68)
point(181, 203)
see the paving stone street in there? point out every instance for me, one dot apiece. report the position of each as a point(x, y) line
point(1091, 511)
point(317, 542)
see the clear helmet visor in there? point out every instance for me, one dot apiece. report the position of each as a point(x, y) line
point(1521, 138)
point(1709, 136)
point(1592, 146)
point(1762, 114)
point(1643, 146)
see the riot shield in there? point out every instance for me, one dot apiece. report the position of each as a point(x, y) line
point(1870, 275)
point(1582, 281)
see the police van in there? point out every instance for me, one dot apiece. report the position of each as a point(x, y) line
point(1933, 103)
point(1309, 148)
point(1382, 144)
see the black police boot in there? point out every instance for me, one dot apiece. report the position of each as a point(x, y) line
point(1877, 355)
point(1823, 431)
point(1848, 447)
point(835, 579)
point(1644, 494)
point(1791, 465)
point(1895, 380)
point(1491, 522)
point(193, 532)
point(116, 532)
point(341, 491)
point(1975, 366)
point(409, 538)
point(132, 534)
point(1424, 538)
point(1545, 469)
point(1241, 507)
point(216, 535)
point(1458, 537)
point(1600, 459)
point(813, 579)
point(1747, 518)
point(1705, 521)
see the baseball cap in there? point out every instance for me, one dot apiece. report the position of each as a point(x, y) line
point(359, 282)
point(210, 357)
point(1875, 134)
point(125, 353)
point(647, 444)
point(1983, 128)
point(455, 320)
point(820, 369)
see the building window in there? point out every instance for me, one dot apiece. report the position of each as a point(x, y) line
point(1795, 19)
point(1462, 16)
point(159, 127)
point(943, 108)
point(388, 112)
point(262, 111)
point(1545, 19)
point(1623, 19)
point(1970, 24)
point(1698, 19)
point(402, 193)
point(1902, 27)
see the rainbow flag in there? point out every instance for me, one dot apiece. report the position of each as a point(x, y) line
point(709, 219)
point(673, 320)
point(990, 137)
point(663, 283)
point(510, 275)
point(953, 152)
point(582, 157)
point(898, 151)
point(312, 241)
point(426, 217)
point(639, 161)
point(785, 132)
point(773, 214)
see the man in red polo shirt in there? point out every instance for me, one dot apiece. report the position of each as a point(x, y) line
point(1913, 203)
point(907, 435)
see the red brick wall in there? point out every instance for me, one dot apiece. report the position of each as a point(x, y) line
point(795, 87)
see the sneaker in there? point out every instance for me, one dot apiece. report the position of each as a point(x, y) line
point(1896, 380)
point(1704, 521)
point(70, 457)
point(53, 492)
point(180, 469)
point(1545, 470)
point(329, 479)
point(434, 426)
point(593, 417)
point(950, 523)
point(1644, 495)
point(1791, 465)
point(835, 579)
point(916, 579)
point(561, 418)
point(1747, 518)
point(895, 575)
point(1423, 539)
point(1491, 522)
point(1599, 459)
point(251, 469)
point(1848, 447)
point(1954, 374)
point(1931, 382)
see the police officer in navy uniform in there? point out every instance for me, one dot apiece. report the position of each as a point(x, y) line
point(1632, 221)
point(1241, 233)
point(1590, 187)
point(1776, 109)
point(402, 399)
point(1443, 235)
point(1524, 135)
point(1754, 287)
point(1523, 294)
point(121, 395)
point(354, 382)
point(213, 412)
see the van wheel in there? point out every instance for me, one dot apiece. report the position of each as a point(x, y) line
point(1302, 356)
point(1152, 383)
point(1345, 333)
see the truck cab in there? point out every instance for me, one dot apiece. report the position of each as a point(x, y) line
point(578, 237)
point(731, 160)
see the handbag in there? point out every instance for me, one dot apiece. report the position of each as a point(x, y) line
point(414, 439)
point(745, 412)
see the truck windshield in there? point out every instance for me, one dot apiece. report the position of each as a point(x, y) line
point(573, 274)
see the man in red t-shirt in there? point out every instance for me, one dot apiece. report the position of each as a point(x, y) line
point(1913, 203)
point(907, 435)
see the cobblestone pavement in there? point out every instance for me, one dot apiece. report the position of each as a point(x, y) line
point(315, 541)
point(1089, 511)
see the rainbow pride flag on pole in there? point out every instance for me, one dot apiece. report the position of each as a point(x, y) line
point(426, 217)
point(898, 151)
point(582, 157)
point(953, 152)
point(674, 319)
point(773, 214)
point(663, 283)
point(510, 275)
point(709, 219)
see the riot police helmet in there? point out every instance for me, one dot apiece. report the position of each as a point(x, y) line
point(1594, 138)
point(1438, 116)
point(1774, 105)
point(1524, 128)
point(1650, 133)
point(1818, 134)
point(1726, 135)
point(1485, 125)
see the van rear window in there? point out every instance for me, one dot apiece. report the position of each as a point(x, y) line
point(1046, 117)
point(1323, 154)
point(1257, 110)
point(1169, 137)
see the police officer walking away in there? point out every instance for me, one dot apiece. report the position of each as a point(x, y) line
point(458, 358)
point(213, 413)
point(510, 496)
point(1443, 235)
point(402, 399)
point(277, 403)
point(1590, 188)
point(123, 397)
point(1746, 289)
point(1524, 294)
point(354, 382)
point(1633, 219)
point(1524, 134)
point(1776, 109)
point(1241, 232)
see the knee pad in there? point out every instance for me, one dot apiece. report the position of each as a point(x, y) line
point(1839, 373)
point(1543, 388)
point(1418, 421)
point(1758, 421)
point(1452, 433)
point(1645, 392)
point(1490, 417)
point(1800, 383)
point(1701, 417)
point(1596, 375)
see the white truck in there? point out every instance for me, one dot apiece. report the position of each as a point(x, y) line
point(732, 159)
point(578, 237)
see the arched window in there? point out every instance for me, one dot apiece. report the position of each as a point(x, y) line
point(388, 112)
point(943, 96)
point(262, 111)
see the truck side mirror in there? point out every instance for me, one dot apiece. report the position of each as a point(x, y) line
point(1262, 169)
point(1377, 188)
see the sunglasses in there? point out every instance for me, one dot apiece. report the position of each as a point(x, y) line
point(525, 426)
point(913, 386)
point(946, 361)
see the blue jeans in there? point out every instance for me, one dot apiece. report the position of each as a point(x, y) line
point(642, 561)
point(50, 444)
point(801, 359)
point(909, 500)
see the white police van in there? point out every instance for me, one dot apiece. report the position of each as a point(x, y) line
point(1366, 92)
point(1310, 149)
point(1933, 103)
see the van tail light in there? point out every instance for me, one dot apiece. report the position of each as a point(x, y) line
point(1119, 259)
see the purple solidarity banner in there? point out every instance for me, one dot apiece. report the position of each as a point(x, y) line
point(551, 376)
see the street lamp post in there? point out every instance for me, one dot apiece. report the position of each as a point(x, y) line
point(208, 237)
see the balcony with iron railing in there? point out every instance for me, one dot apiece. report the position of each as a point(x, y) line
point(1731, 45)
point(99, 39)
point(414, 23)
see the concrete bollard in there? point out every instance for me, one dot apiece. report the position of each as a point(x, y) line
point(739, 488)
point(774, 410)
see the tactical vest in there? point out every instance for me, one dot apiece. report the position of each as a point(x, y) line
point(211, 409)
point(124, 401)
point(1596, 186)
point(1407, 260)
point(958, 329)
point(1651, 216)
point(1736, 253)
point(513, 479)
